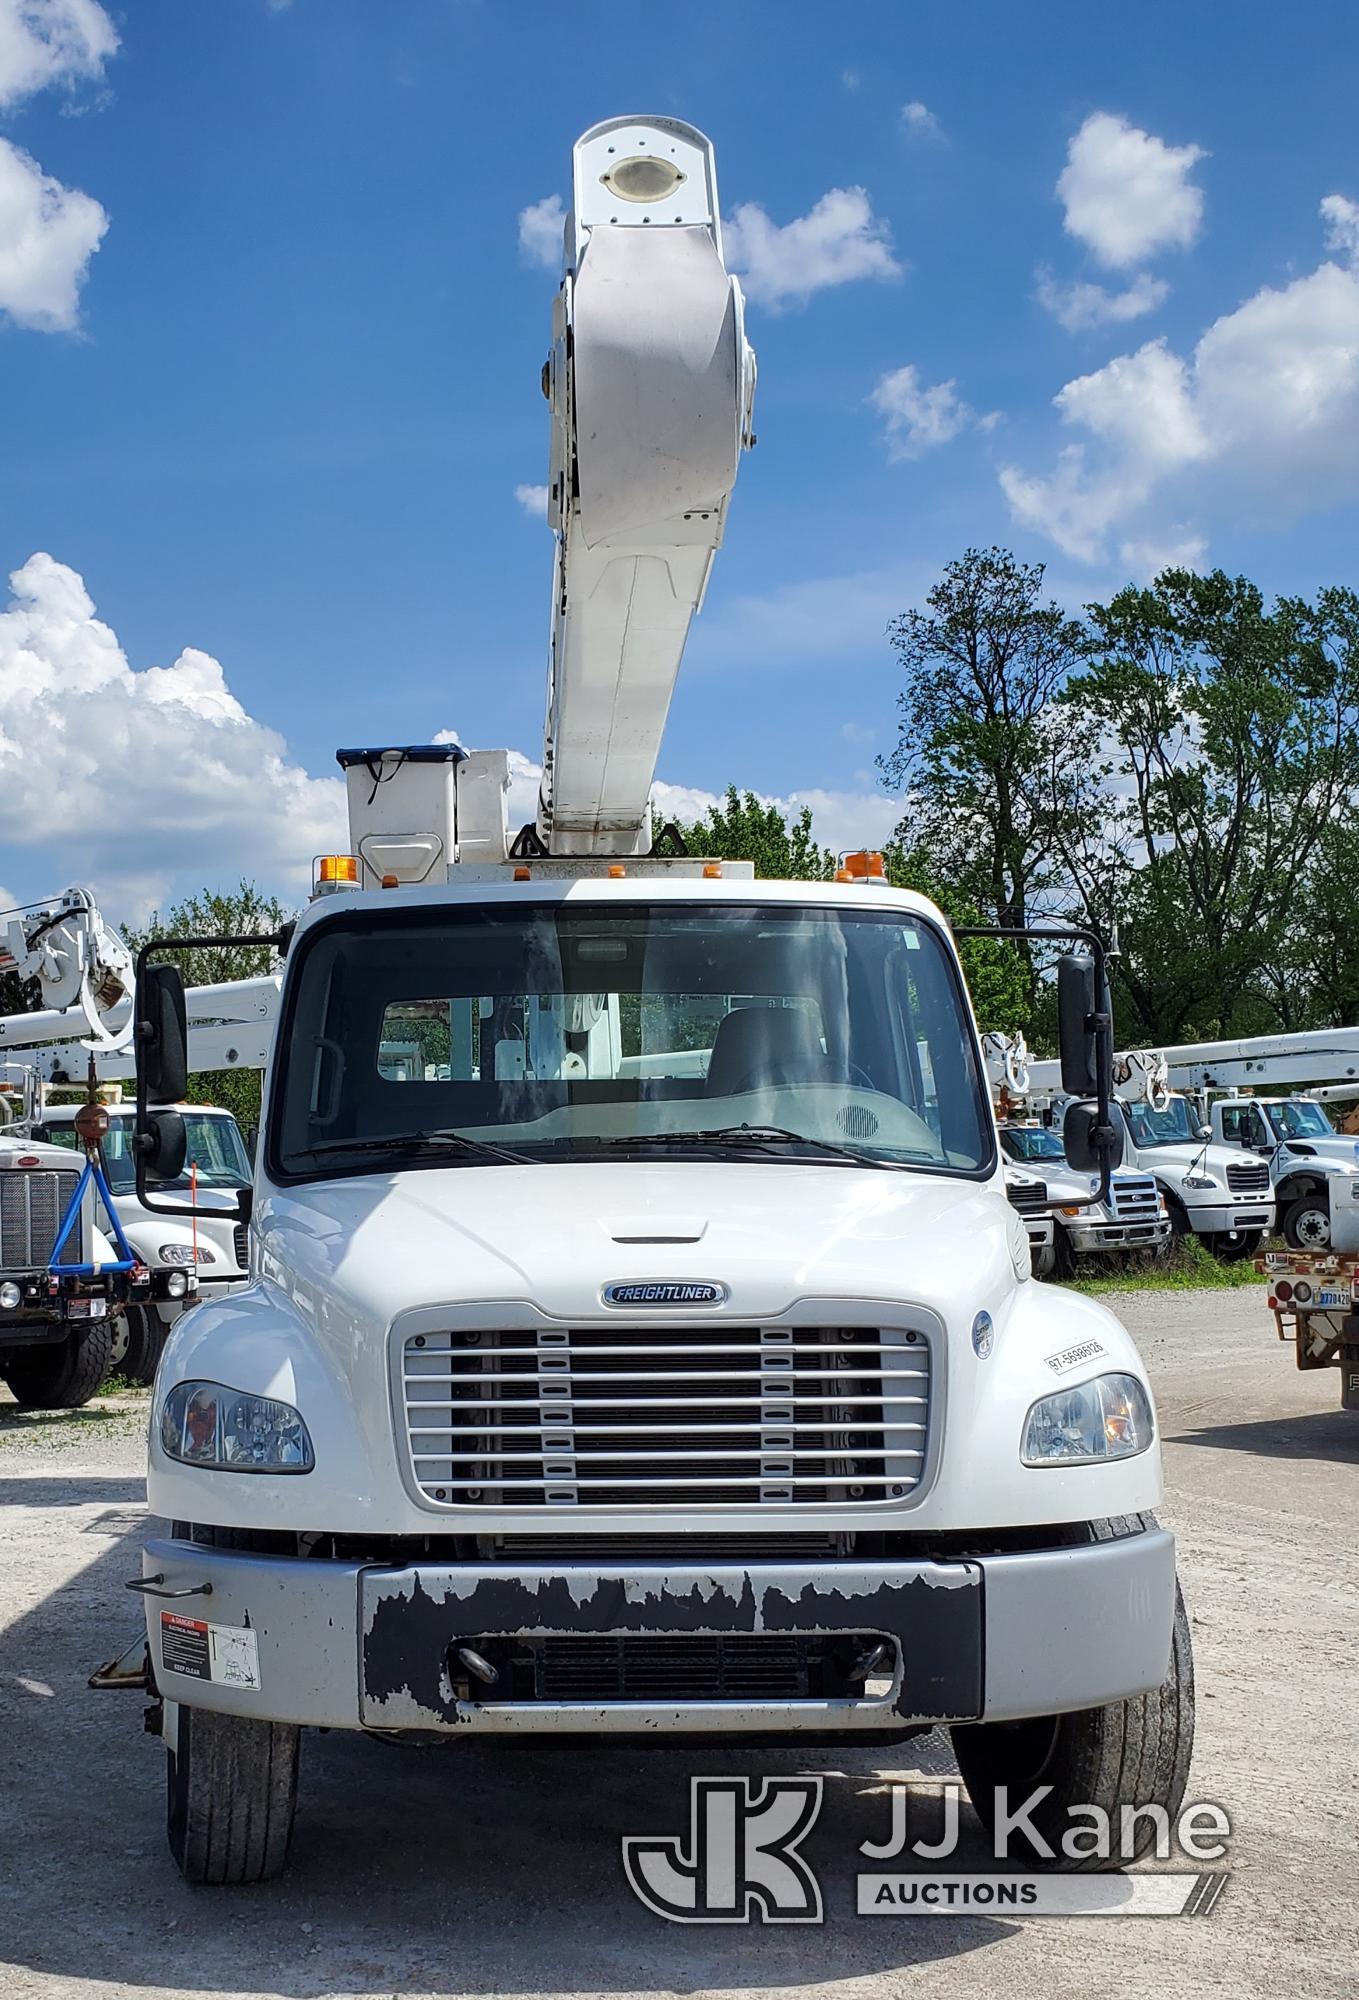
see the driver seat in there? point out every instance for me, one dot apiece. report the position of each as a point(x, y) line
point(753, 1043)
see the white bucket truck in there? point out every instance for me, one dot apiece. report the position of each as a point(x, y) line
point(1217, 1192)
point(581, 1391)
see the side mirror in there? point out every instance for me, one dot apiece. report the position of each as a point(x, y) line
point(162, 1035)
point(1205, 1131)
point(162, 1144)
point(1089, 1146)
point(1083, 1026)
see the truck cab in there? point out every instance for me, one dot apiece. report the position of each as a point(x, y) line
point(1217, 1191)
point(1312, 1166)
point(578, 1388)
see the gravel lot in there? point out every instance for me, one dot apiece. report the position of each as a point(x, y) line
point(479, 1870)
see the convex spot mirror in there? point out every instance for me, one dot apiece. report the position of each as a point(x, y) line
point(1088, 1145)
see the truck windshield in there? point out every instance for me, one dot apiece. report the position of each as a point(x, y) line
point(1299, 1120)
point(1174, 1126)
point(213, 1145)
point(556, 1031)
point(1031, 1142)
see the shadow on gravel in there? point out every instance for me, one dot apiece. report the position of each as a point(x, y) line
point(1321, 1434)
point(454, 1869)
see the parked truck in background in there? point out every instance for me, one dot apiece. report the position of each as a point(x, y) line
point(1134, 1219)
point(1314, 1169)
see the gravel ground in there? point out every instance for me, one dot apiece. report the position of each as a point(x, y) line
point(484, 1870)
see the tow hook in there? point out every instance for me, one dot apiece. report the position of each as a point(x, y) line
point(476, 1668)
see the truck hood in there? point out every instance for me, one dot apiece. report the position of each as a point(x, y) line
point(1334, 1155)
point(554, 1235)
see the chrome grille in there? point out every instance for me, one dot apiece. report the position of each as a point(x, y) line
point(620, 1416)
point(1135, 1197)
point(32, 1205)
point(1248, 1177)
point(240, 1237)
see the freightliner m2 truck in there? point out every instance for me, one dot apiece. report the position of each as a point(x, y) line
point(651, 1350)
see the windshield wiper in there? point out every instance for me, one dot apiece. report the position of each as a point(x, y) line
point(759, 1138)
point(405, 1142)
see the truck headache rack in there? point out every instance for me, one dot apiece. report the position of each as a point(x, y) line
point(711, 1415)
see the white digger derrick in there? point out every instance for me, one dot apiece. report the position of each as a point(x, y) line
point(84, 971)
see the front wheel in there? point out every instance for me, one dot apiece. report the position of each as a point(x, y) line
point(231, 1793)
point(1307, 1223)
point(1129, 1753)
point(65, 1374)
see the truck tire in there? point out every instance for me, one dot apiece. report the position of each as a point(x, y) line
point(1063, 1256)
point(1129, 1753)
point(230, 1798)
point(1233, 1247)
point(65, 1375)
point(1307, 1223)
point(146, 1337)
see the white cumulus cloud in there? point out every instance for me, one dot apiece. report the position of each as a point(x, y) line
point(917, 418)
point(48, 233)
point(47, 42)
point(540, 232)
point(1127, 194)
point(838, 241)
point(918, 118)
point(1341, 217)
point(533, 500)
point(1080, 305)
point(1267, 403)
point(139, 782)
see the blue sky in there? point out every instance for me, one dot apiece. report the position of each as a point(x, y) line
point(279, 415)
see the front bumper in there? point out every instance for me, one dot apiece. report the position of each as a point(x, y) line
point(1225, 1218)
point(360, 1646)
point(1088, 1237)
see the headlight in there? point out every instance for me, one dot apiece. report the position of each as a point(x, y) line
point(1199, 1181)
point(1107, 1418)
point(183, 1253)
point(201, 1423)
point(10, 1295)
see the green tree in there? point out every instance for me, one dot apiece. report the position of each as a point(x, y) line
point(996, 770)
point(244, 912)
point(744, 828)
point(997, 977)
point(1236, 734)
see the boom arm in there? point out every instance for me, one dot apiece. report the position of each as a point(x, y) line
point(651, 383)
point(230, 1027)
point(82, 966)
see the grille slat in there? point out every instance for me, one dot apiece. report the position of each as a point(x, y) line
point(601, 1415)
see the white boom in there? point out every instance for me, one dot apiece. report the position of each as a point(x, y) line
point(85, 971)
point(1255, 1062)
point(651, 382)
point(82, 966)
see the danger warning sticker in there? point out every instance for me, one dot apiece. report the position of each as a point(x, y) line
point(227, 1654)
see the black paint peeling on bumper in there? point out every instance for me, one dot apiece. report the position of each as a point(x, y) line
point(412, 1617)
